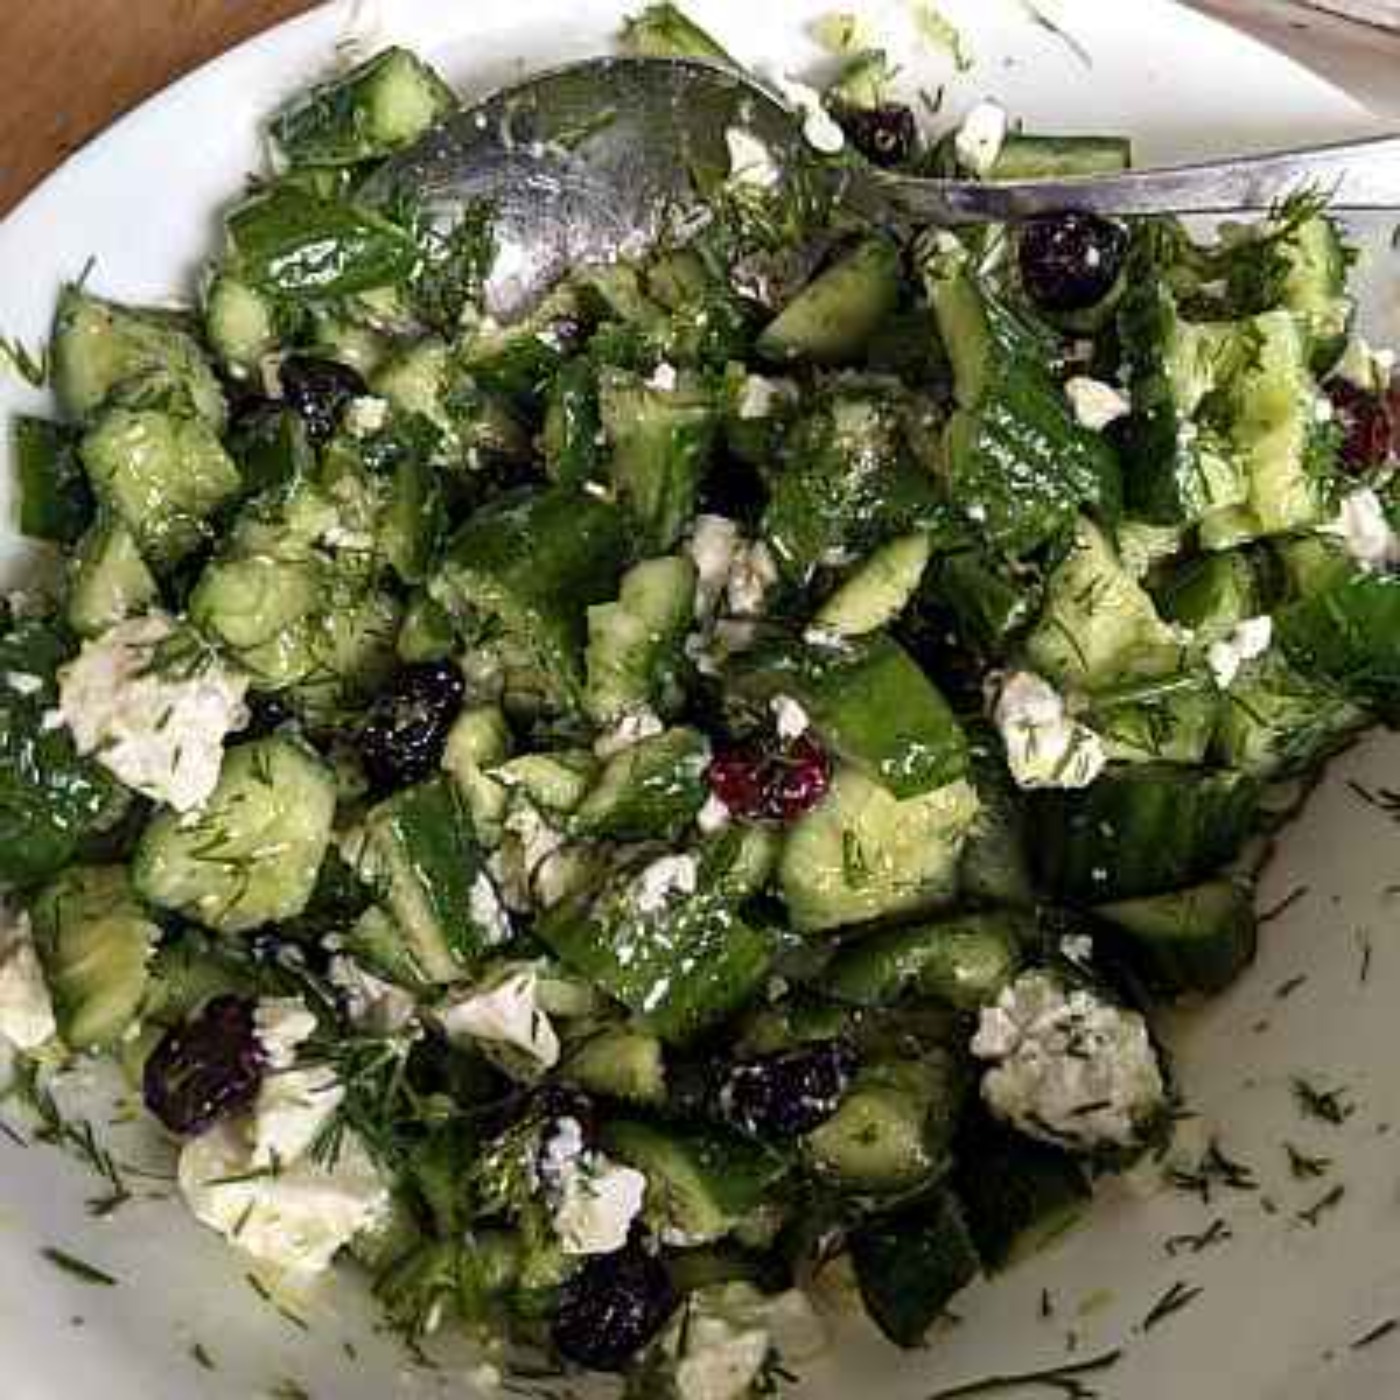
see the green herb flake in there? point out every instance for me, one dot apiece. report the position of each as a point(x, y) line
point(202, 1358)
point(1327, 1106)
point(1314, 1213)
point(1067, 1380)
point(941, 33)
point(1180, 1295)
point(1305, 1167)
point(29, 365)
point(77, 1268)
point(1381, 1329)
point(1217, 1232)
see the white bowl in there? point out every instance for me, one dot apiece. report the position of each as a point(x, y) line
point(1282, 1301)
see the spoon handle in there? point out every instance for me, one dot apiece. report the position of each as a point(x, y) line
point(1353, 174)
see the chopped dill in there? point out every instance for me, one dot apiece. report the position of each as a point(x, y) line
point(201, 1357)
point(1214, 1168)
point(1180, 1295)
point(1067, 1380)
point(1217, 1232)
point(1305, 1167)
point(1314, 1213)
point(30, 366)
point(1286, 989)
point(1277, 911)
point(1327, 1106)
point(1042, 20)
point(77, 1268)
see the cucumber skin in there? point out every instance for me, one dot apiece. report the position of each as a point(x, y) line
point(55, 501)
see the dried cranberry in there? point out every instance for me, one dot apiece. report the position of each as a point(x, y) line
point(206, 1067)
point(611, 1308)
point(885, 135)
point(772, 786)
point(266, 714)
point(319, 391)
point(403, 737)
point(1070, 261)
point(788, 1093)
point(1368, 423)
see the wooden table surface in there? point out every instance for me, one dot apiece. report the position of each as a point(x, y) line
point(68, 67)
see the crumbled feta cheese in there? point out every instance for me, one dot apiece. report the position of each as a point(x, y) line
point(294, 1106)
point(713, 816)
point(528, 841)
point(721, 1361)
point(1367, 368)
point(663, 378)
point(373, 1005)
point(488, 913)
point(366, 416)
point(791, 719)
point(1066, 1066)
point(667, 876)
point(1044, 747)
point(750, 161)
point(1077, 948)
point(819, 128)
point(593, 1199)
point(1095, 403)
point(712, 546)
point(160, 733)
point(631, 729)
point(759, 395)
point(1366, 532)
point(24, 682)
point(826, 639)
point(980, 138)
point(507, 1012)
point(1246, 642)
point(752, 574)
point(26, 1009)
point(283, 1025)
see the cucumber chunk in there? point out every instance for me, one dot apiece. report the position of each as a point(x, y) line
point(1140, 830)
point(478, 741)
point(164, 476)
point(909, 1266)
point(879, 590)
point(1026, 155)
point(699, 1184)
point(96, 940)
point(663, 30)
point(376, 108)
point(619, 1063)
point(1212, 593)
point(420, 851)
point(652, 790)
point(1195, 940)
point(242, 324)
point(870, 703)
point(1348, 634)
point(55, 501)
point(862, 854)
point(108, 581)
point(833, 318)
point(965, 961)
point(251, 854)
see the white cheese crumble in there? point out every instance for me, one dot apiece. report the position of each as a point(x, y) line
point(507, 1012)
point(487, 912)
point(631, 729)
point(753, 573)
point(750, 161)
point(159, 732)
point(713, 816)
point(528, 842)
point(1066, 1066)
point(1044, 747)
point(1365, 531)
point(26, 1008)
point(980, 138)
point(663, 878)
point(24, 682)
point(819, 128)
point(1095, 403)
point(593, 1199)
point(283, 1025)
point(373, 1005)
point(712, 546)
point(1249, 640)
point(663, 378)
point(791, 719)
point(1367, 368)
point(759, 396)
point(366, 416)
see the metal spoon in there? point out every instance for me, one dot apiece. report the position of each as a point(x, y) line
point(593, 162)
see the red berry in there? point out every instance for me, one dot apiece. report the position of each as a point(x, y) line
point(777, 786)
point(206, 1067)
point(800, 779)
point(738, 780)
point(1368, 422)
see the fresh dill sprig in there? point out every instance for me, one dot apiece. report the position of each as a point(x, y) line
point(1305, 1167)
point(1381, 1329)
point(30, 366)
point(200, 1354)
point(1326, 1105)
point(78, 1268)
point(1314, 1213)
point(1177, 1297)
point(1067, 1380)
point(1214, 1168)
point(1217, 1232)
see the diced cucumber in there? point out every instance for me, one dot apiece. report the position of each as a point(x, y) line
point(420, 851)
point(572, 427)
point(1026, 155)
point(1139, 830)
point(163, 476)
point(894, 1128)
point(1348, 634)
point(534, 565)
point(380, 105)
point(270, 449)
point(619, 1063)
point(290, 242)
point(412, 521)
point(661, 440)
point(251, 854)
point(678, 964)
point(741, 859)
point(553, 782)
point(634, 644)
point(663, 30)
point(190, 970)
point(96, 941)
point(1018, 1195)
point(241, 322)
point(862, 854)
point(98, 346)
point(870, 703)
point(1212, 593)
point(480, 740)
point(832, 319)
point(985, 599)
point(965, 960)
point(55, 502)
point(995, 867)
point(699, 1184)
point(910, 1265)
point(1194, 940)
point(1167, 720)
point(427, 633)
point(108, 580)
point(650, 791)
point(1099, 624)
point(879, 590)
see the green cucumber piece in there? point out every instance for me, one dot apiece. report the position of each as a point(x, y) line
point(251, 854)
point(243, 325)
point(879, 590)
point(1194, 940)
point(965, 961)
point(652, 790)
point(376, 108)
point(862, 854)
point(995, 867)
point(984, 598)
point(55, 502)
point(572, 426)
point(108, 580)
point(1212, 593)
point(619, 1063)
point(1348, 635)
point(478, 741)
point(833, 318)
point(1168, 720)
point(870, 703)
point(1027, 155)
point(1142, 829)
point(664, 31)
